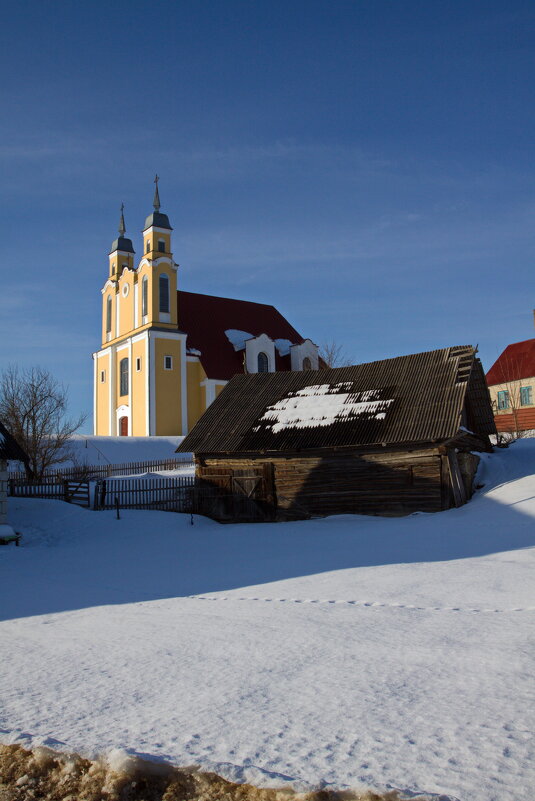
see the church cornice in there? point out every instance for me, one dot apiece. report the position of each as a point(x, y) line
point(109, 283)
point(156, 262)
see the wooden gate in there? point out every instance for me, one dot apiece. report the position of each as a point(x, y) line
point(76, 492)
point(236, 495)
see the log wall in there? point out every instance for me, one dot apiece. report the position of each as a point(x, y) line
point(383, 483)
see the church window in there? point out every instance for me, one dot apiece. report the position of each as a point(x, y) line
point(161, 246)
point(138, 364)
point(263, 363)
point(144, 296)
point(108, 315)
point(164, 293)
point(103, 376)
point(123, 372)
point(168, 362)
point(307, 364)
point(148, 246)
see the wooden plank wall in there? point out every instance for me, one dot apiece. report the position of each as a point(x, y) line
point(379, 483)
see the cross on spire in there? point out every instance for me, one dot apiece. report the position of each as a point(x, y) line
point(122, 227)
point(156, 201)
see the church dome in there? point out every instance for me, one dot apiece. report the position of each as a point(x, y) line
point(158, 220)
point(122, 243)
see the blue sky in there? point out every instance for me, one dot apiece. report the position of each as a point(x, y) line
point(367, 167)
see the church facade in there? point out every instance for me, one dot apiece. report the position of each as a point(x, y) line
point(166, 354)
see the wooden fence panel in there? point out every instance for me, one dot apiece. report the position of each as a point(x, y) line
point(107, 470)
point(167, 494)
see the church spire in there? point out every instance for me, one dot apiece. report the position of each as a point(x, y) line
point(157, 219)
point(122, 243)
point(122, 227)
point(156, 201)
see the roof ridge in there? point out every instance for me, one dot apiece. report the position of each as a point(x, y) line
point(236, 300)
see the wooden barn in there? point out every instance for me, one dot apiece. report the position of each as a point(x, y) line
point(389, 437)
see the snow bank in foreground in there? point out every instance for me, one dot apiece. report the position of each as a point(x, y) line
point(52, 776)
point(351, 652)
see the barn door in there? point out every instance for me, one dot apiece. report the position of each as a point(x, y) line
point(238, 495)
point(123, 426)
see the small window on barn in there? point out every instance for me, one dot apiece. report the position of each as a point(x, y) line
point(263, 363)
point(307, 364)
point(123, 373)
point(503, 399)
point(161, 246)
point(526, 396)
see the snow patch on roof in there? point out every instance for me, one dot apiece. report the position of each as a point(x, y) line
point(193, 352)
point(324, 405)
point(237, 338)
point(283, 346)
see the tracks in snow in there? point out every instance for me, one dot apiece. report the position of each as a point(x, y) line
point(369, 604)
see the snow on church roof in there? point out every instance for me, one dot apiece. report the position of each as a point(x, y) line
point(409, 399)
point(214, 324)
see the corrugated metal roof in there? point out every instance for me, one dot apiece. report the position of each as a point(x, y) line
point(416, 398)
point(9, 447)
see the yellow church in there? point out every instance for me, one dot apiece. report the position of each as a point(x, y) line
point(166, 354)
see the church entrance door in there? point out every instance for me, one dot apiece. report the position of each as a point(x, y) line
point(123, 426)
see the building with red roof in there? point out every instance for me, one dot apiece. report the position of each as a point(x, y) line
point(511, 382)
point(166, 354)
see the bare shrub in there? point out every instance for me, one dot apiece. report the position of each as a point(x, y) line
point(333, 355)
point(33, 406)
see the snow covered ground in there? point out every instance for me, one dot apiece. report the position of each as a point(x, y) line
point(345, 652)
point(86, 449)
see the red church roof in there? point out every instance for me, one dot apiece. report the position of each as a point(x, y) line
point(205, 318)
point(517, 361)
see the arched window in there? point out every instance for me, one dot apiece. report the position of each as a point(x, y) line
point(108, 314)
point(164, 293)
point(161, 245)
point(263, 363)
point(144, 296)
point(307, 364)
point(148, 246)
point(123, 373)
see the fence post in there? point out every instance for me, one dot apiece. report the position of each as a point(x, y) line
point(96, 495)
point(66, 491)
